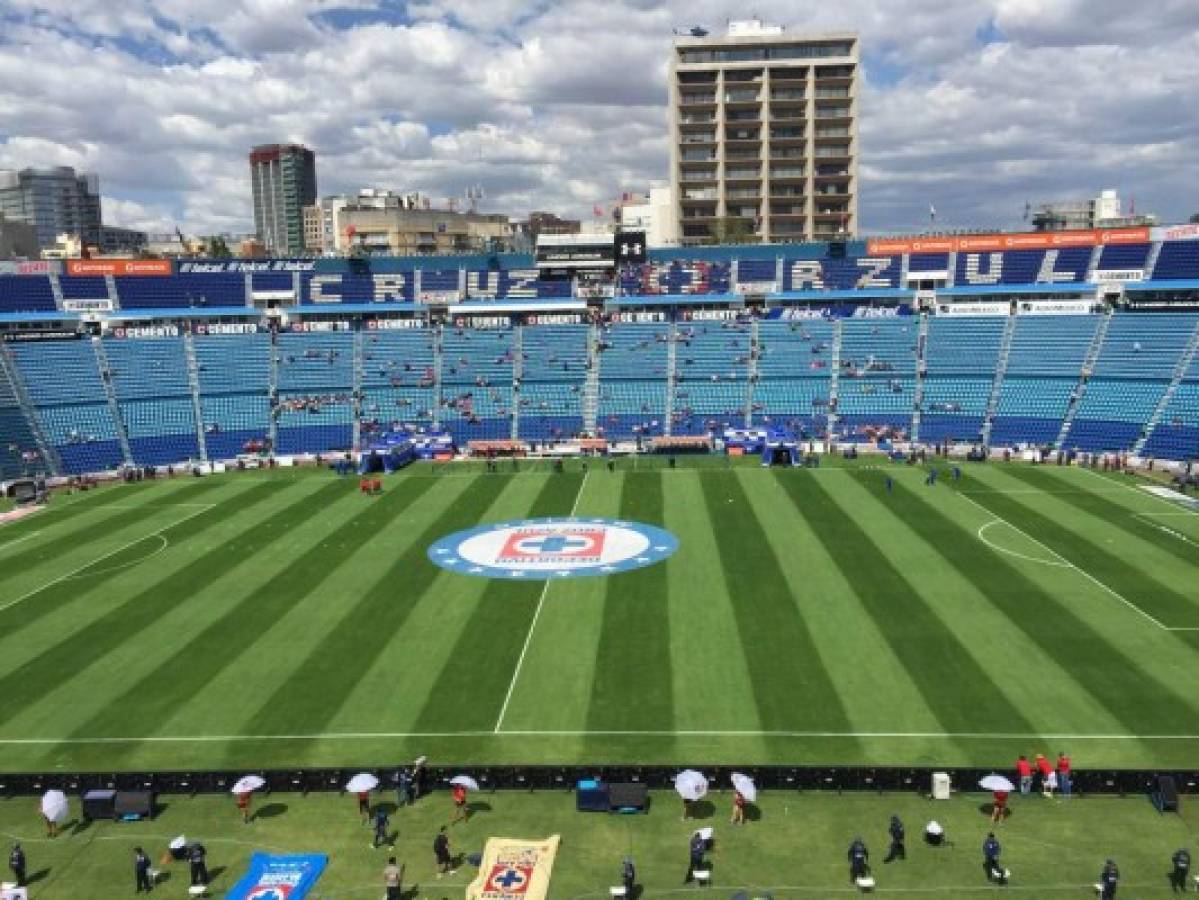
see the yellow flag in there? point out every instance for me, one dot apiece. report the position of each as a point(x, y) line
point(514, 869)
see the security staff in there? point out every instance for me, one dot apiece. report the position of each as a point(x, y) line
point(696, 856)
point(1182, 867)
point(141, 870)
point(859, 860)
point(1109, 879)
point(199, 868)
point(628, 876)
point(991, 865)
point(897, 849)
point(16, 862)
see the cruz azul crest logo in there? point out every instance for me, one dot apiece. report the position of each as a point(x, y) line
point(544, 549)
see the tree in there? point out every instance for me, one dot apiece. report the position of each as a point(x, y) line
point(1195, 219)
point(732, 230)
point(218, 249)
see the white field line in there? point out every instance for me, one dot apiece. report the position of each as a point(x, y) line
point(982, 536)
point(26, 537)
point(533, 625)
point(1177, 507)
point(1178, 535)
point(1080, 571)
point(649, 733)
point(75, 572)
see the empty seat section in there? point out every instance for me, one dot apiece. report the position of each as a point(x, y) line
point(1135, 366)
point(877, 380)
point(794, 375)
point(476, 383)
point(960, 360)
point(26, 293)
point(62, 379)
point(1043, 369)
point(18, 447)
point(150, 379)
point(554, 376)
point(1177, 259)
point(316, 374)
point(234, 375)
point(633, 362)
point(84, 287)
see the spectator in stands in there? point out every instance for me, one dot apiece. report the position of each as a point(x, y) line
point(1024, 770)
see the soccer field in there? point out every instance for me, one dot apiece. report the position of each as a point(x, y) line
point(808, 616)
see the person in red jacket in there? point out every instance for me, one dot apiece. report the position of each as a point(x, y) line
point(1024, 770)
point(1063, 774)
point(1045, 771)
point(460, 810)
point(998, 806)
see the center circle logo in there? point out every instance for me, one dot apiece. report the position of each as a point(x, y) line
point(544, 549)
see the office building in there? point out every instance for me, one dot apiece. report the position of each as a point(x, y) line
point(283, 179)
point(54, 201)
point(764, 135)
point(18, 240)
point(1104, 211)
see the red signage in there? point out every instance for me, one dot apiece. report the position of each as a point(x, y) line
point(985, 243)
point(119, 267)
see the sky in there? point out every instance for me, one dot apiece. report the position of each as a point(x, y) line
point(975, 106)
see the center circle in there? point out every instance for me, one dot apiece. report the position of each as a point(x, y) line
point(553, 548)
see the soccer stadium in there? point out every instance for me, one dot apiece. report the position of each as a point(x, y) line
point(518, 575)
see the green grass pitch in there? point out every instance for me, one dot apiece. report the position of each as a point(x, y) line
point(273, 619)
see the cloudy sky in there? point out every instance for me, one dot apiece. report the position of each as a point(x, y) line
point(973, 105)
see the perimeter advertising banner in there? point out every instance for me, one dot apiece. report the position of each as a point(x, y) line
point(986, 243)
point(118, 267)
point(274, 877)
point(514, 869)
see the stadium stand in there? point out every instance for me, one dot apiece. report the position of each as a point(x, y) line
point(838, 346)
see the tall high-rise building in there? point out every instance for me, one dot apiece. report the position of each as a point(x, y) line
point(764, 134)
point(55, 201)
point(283, 177)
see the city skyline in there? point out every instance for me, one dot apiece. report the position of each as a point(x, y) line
point(565, 107)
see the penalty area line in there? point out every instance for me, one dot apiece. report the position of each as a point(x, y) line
point(533, 625)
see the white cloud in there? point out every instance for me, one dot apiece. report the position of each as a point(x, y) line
point(560, 105)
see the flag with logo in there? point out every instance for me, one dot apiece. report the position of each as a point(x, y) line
point(514, 869)
point(274, 877)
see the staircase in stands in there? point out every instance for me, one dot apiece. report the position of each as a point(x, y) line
point(356, 390)
point(921, 366)
point(1180, 370)
point(272, 391)
point(672, 355)
point(438, 334)
point(834, 378)
point(193, 383)
point(591, 388)
point(755, 343)
point(1005, 350)
point(1088, 367)
point(518, 374)
point(111, 394)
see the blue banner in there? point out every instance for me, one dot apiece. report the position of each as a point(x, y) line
point(279, 877)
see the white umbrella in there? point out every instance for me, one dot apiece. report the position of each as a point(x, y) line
point(744, 785)
point(690, 784)
point(364, 781)
point(465, 781)
point(246, 784)
point(54, 805)
point(177, 843)
point(996, 783)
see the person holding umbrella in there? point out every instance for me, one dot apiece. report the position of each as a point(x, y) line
point(744, 791)
point(690, 786)
point(460, 784)
point(242, 789)
point(16, 862)
point(54, 810)
point(361, 786)
point(999, 787)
